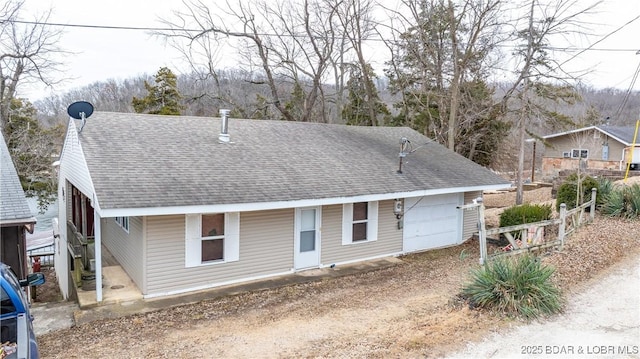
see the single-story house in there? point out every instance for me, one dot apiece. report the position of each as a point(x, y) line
point(15, 216)
point(188, 203)
point(593, 147)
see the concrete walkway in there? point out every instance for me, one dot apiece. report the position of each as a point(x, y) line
point(56, 316)
point(601, 322)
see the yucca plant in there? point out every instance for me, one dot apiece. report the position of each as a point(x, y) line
point(605, 187)
point(519, 286)
point(623, 201)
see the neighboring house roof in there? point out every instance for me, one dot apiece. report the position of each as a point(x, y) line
point(142, 161)
point(623, 135)
point(14, 209)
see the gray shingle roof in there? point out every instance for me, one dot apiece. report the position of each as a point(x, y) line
point(13, 203)
point(623, 133)
point(139, 161)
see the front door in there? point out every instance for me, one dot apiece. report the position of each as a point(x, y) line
point(307, 238)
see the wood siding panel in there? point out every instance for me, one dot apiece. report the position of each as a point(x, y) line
point(389, 237)
point(266, 248)
point(126, 248)
point(470, 218)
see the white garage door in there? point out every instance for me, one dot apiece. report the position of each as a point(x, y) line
point(431, 222)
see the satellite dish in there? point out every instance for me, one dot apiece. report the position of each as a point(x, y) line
point(80, 110)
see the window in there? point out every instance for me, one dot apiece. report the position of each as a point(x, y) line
point(123, 222)
point(211, 238)
point(566, 154)
point(579, 153)
point(359, 222)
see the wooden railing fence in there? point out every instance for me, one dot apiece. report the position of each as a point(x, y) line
point(534, 236)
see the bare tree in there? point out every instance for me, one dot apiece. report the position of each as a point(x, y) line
point(357, 25)
point(477, 23)
point(290, 42)
point(441, 54)
point(28, 52)
point(537, 66)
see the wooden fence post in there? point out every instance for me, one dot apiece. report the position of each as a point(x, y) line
point(482, 231)
point(561, 226)
point(592, 213)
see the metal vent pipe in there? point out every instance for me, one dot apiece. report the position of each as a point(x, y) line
point(224, 126)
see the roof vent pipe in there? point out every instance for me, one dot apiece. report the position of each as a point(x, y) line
point(224, 126)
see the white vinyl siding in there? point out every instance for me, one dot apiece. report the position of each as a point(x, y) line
point(470, 218)
point(388, 243)
point(73, 166)
point(126, 247)
point(348, 222)
point(265, 248)
point(193, 239)
point(73, 170)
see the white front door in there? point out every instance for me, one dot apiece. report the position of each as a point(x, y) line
point(307, 238)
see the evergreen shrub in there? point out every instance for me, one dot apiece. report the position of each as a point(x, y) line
point(568, 189)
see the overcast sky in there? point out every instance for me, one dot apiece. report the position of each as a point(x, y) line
point(102, 54)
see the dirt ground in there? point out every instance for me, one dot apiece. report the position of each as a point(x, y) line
point(406, 311)
point(49, 291)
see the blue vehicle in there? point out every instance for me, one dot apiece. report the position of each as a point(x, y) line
point(17, 339)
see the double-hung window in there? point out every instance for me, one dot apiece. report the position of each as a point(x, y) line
point(359, 222)
point(123, 222)
point(579, 153)
point(211, 238)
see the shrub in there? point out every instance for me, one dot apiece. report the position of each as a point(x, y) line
point(525, 213)
point(518, 286)
point(567, 191)
point(623, 201)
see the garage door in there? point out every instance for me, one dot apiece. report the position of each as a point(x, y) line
point(431, 222)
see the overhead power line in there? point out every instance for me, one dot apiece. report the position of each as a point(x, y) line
point(138, 28)
point(602, 39)
point(86, 26)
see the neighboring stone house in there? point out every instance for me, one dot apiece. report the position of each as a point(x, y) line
point(590, 148)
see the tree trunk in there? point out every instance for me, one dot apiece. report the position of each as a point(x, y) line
point(455, 86)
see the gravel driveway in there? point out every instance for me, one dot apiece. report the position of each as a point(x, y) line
point(602, 322)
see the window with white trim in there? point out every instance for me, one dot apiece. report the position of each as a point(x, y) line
point(359, 222)
point(579, 153)
point(212, 238)
point(123, 222)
